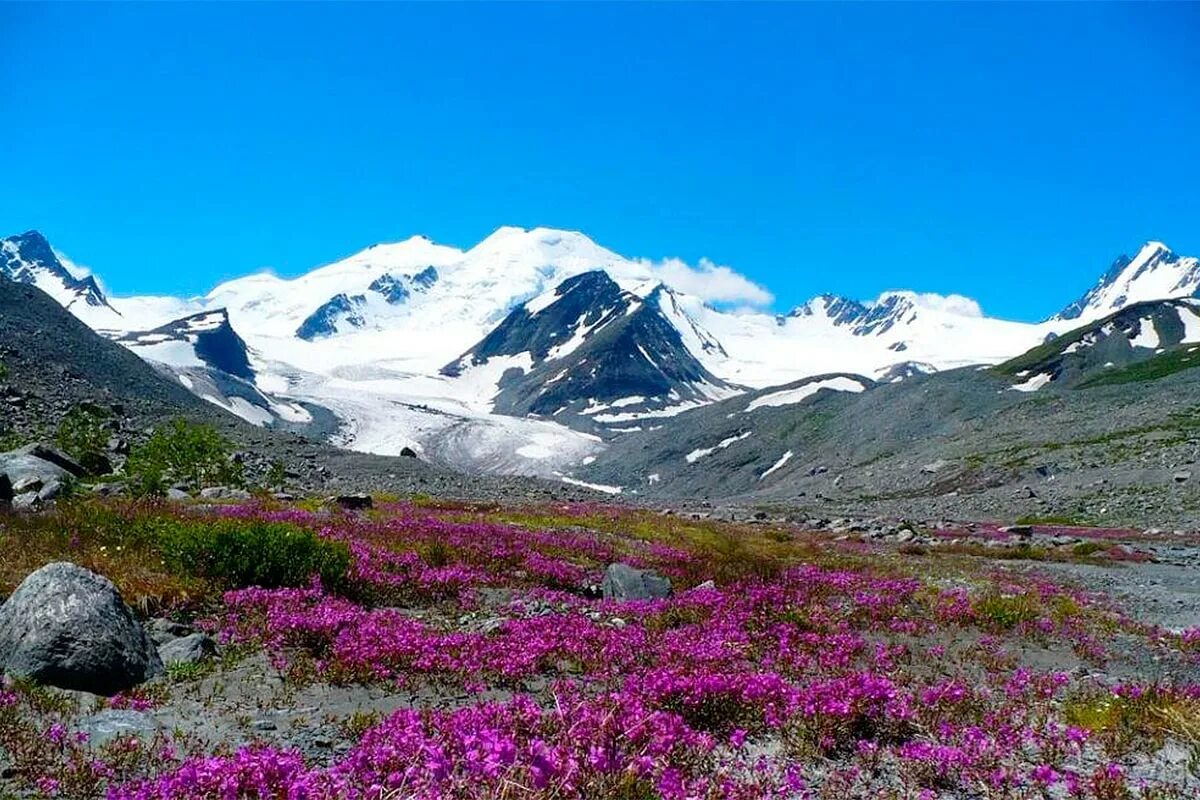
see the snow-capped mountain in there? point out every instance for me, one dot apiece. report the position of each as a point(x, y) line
point(591, 352)
point(488, 357)
point(206, 355)
point(1155, 273)
point(28, 258)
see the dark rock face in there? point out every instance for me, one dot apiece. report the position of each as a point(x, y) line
point(623, 582)
point(68, 627)
point(215, 341)
point(324, 321)
point(593, 344)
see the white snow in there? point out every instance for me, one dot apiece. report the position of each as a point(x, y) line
point(1190, 318)
point(700, 453)
point(599, 487)
point(791, 396)
point(1147, 336)
point(1034, 383)
point(786, 457)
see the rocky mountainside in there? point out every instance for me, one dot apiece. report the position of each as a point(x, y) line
point(1141, 341)
point(1108, 433)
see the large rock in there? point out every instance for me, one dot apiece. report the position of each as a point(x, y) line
point(6, 489)
point(30, 472)
point(623, 582)
point(68, 627)
point(354, 502)
point(52, 455)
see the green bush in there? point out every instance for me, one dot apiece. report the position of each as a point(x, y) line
point(240, 553)
point(82, 434)
point(190, 452)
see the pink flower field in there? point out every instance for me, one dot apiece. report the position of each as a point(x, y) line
point(466, 653)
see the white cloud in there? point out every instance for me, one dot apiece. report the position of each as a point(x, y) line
point(955, 304)
point(711, 282)
point(79, 270)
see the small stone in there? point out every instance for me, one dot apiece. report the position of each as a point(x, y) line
point(190, 649)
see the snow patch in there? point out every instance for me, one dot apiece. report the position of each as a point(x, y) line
point(792, 396)
point(700, 453)
point(1034, 383)
point(786, 457)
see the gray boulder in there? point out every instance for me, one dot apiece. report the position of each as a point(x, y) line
point(68, 627)
point(52, 455)
point(190, 649)
point(29, 472)
point(224, 493)
point(623, 582)
point(177, 495)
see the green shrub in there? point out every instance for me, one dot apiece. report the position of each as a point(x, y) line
point(240, 553)
point(184, 451)
point(82, 434)
point(1005, 611)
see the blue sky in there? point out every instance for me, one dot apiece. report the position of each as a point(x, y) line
point(1007, 152)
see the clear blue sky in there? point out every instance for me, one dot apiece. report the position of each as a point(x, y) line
point(1007, 152)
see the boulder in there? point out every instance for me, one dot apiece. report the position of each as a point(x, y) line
point(1182, 476)
point(354, 502)
point(177, 495)
point(6, 488)
point(190, 649)
point(408, 452)
point(29, 472)
point(52, 455)
point(224, 493)
point(623, 582)
point(68, 627)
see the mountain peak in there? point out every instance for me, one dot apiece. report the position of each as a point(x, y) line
point(1154, 273)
